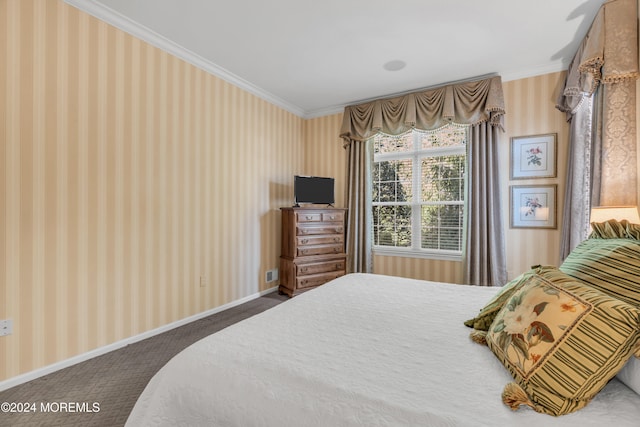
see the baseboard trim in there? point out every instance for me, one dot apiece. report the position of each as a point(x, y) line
point(37, 373)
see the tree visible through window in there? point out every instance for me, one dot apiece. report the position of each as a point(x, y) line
point(418, 190)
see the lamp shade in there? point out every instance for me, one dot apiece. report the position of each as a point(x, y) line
point(605, 213)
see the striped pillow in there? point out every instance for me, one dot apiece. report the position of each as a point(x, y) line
point(610, 265)
point(562, 343)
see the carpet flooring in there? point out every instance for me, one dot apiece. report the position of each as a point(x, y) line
point(115, 380)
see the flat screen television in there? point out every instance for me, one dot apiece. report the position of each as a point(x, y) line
point(313, 189)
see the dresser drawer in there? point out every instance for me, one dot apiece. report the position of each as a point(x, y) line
point(320, 267)
point(333, 216)
point(319, 240)
point(326, 229)
point(317, 279)
point(308, 217)
point(313, 247)
point(320, 250)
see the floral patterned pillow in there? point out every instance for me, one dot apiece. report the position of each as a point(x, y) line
point(487, 314)
point(562, 343)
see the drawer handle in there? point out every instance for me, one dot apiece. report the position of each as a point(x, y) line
point(336, 250)
point(331, 217)
point(303, 231)
point(304, 241)
point(308, 217)
point(304, 282)
point(339, 266)
point(303, 251)
point(336, 239)
point(303, 269)
point(339, 229)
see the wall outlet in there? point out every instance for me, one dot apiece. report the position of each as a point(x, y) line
point(6, 327)
point(272, 275)
point(203, 281)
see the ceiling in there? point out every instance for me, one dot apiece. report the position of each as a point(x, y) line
point(313, 57)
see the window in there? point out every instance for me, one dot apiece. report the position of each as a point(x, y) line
point(418, 191)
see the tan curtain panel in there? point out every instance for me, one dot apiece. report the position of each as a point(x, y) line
point(608, 61)
point(599, 98)
point(464, 103)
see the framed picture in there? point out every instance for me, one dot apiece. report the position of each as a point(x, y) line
point(533, 156)
point(533, 206)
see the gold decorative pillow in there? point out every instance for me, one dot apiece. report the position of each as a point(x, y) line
point(562, 343)
point(483, 320)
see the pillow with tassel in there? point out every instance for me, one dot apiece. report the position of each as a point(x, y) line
point(562, 341)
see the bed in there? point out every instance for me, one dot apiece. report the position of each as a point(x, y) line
point(361, 350)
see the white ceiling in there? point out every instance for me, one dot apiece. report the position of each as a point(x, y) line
point(312, 57)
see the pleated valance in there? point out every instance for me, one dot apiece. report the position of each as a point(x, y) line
point(607, 54)
point(463, 103)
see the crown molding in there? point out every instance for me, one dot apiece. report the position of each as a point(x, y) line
point(116, 19)
point(534, 71)
point(322, 112)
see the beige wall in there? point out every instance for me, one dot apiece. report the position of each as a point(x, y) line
point(125, 175)
point(530, 105)
point(324, 154)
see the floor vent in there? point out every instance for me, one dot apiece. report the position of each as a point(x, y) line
point(272, 275)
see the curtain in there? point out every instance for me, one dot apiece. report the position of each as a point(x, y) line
point(463, 103)
point(485, 235)
point(577, 196)
point(359, 159)
point(599, 98)
point(473, 103)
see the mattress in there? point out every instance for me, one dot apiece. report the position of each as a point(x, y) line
point(362, 350)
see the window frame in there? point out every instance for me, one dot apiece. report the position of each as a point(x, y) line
point(416, 154)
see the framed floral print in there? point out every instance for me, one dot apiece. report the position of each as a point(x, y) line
point(534, 156)
point(533, 206)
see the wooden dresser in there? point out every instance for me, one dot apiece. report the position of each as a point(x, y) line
point(313, 242)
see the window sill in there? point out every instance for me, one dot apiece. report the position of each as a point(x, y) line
point(412, 253)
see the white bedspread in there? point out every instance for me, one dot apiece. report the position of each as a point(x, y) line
point(362, 350)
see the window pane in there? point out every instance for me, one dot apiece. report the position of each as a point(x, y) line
point(392, 143)
point(442, 227)
point(439, 199)
point(443, 178)
point(392, 226)
point(392, 181)
point(448, 136)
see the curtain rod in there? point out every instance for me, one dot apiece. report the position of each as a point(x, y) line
point(453, 82)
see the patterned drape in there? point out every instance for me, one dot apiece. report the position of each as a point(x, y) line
point(599, 98)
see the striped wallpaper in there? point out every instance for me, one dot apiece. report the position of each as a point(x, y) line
point(324, 154)
point(530, 105)
point(126, 175)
